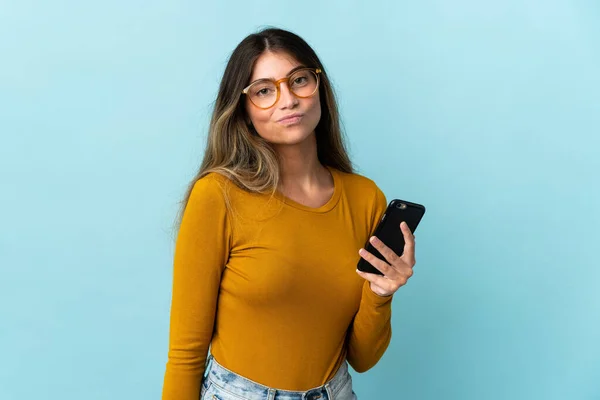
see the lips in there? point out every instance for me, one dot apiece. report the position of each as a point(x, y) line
point(291, 117)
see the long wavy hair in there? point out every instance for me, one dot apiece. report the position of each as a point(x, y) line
point(234, 149)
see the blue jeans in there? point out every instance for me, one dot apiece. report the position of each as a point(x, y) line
point(221, 384)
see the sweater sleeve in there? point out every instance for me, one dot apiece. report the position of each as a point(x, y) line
point(371, 330)
point(201, 252)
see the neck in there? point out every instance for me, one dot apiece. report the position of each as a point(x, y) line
point(300, 166)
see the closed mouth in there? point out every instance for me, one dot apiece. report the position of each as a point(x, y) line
point(289, 117)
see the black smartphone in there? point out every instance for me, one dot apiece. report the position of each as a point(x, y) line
point(388, 230)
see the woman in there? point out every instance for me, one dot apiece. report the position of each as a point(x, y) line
point(265, 259)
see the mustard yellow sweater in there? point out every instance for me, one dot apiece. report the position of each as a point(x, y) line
point(270, 285)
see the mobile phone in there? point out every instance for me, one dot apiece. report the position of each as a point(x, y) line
point(388, 230)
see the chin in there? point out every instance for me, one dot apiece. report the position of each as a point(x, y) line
point(292, 135)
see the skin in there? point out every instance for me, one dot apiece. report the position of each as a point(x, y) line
point(303, 178)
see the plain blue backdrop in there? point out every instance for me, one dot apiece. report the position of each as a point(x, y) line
point(486, 112)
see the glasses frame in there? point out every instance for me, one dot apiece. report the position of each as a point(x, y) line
point(277, 83)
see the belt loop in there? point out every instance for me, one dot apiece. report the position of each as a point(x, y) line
point(208, 364)
point(329, 392)
point(271, 395)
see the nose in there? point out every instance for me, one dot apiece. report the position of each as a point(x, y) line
point(286, 97)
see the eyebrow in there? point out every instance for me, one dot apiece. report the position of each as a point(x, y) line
point(288, 74)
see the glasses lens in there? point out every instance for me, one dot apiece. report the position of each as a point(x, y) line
point(303, 83)
point(263, 93)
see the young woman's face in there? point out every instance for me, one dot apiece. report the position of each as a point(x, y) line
point(271, 123)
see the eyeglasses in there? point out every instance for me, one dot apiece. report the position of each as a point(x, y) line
point(264, 93)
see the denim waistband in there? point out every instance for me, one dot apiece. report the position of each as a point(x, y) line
point(245, 388)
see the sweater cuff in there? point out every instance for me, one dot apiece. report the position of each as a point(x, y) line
point(373, 297)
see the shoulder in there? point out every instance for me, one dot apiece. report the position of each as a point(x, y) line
point(212, 180)
point(220, 190)
point(364, 197)
point(210, 188)
point(360, 186)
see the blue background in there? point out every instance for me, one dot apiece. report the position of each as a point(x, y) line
point(486, 112)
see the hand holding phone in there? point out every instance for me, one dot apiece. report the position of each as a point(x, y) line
point(388, 230)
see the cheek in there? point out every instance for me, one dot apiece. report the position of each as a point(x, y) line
point(315, 110)
point(257, 116)
point(262, 123)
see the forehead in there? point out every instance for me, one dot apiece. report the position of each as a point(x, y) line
point(273, 65)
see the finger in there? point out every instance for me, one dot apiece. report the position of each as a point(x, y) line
point(378, 280)
point(409, 244)
point(385, 251)
point(381, 265)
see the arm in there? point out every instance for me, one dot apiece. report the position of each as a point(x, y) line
point(201, 252)
point(370, 332)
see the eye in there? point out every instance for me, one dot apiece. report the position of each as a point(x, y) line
point(263, 91)
point(300, 80)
